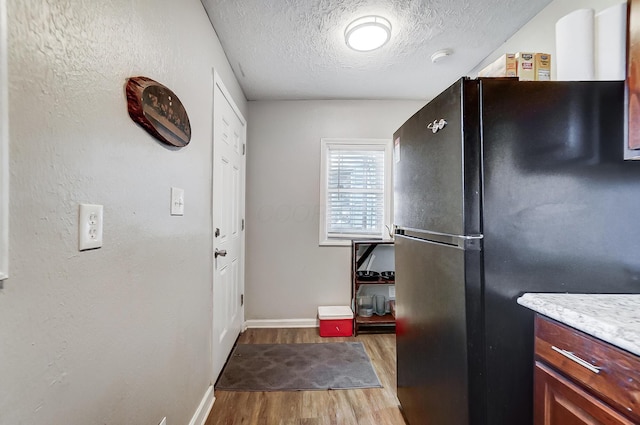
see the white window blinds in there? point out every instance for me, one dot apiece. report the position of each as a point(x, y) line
point(355, 192)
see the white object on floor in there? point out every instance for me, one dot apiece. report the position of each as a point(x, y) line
point(335, 312)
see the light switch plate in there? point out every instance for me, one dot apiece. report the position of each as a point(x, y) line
point(89, 227)
point(177, 201)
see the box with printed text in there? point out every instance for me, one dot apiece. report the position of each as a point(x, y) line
point(526, 66)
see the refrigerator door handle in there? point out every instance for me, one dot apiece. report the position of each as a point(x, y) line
point(471, 242)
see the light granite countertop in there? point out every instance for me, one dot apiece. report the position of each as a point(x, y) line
point(611, 317)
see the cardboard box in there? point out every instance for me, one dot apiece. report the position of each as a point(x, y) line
point(504, 66)
point(335, 321)
point(526, 66)
point(543, 67)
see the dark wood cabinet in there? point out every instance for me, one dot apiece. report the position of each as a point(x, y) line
point(361, 253)
point(558, 401)
point(582, 380)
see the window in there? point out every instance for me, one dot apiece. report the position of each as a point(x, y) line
point(355, 190)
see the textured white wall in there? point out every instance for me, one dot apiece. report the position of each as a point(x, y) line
point(118, 335)
point(288, 275)
point(539, 34)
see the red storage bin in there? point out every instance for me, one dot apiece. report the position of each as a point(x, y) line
point(335, 321)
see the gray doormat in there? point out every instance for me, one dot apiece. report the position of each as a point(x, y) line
point(298, 367)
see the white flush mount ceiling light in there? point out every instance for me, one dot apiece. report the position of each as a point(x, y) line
point(368, 33)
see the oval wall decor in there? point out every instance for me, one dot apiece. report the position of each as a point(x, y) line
point(158, 110)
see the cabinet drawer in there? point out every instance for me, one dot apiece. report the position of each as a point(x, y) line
point(610, 373)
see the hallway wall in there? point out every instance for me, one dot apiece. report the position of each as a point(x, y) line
point(121, 334)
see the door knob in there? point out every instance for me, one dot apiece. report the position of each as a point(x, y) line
point(220, 253)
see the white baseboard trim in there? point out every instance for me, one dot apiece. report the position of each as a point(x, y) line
point(282, 323)
point(202, 413)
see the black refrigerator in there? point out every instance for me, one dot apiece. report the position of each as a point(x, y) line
point(503, 187)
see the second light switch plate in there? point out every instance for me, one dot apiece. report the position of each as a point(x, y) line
point(177, 201)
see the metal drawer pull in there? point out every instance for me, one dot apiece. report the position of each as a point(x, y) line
point(581, 362)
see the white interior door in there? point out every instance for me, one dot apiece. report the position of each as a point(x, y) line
point(229, 134)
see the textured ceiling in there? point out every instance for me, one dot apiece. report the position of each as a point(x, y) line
point(295, 49)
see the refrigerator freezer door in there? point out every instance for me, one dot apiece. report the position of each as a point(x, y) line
point(560, 207)
point(431, 328)
point(437, 173)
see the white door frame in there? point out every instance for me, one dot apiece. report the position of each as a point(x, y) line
point(4, 145)
point(217, 81)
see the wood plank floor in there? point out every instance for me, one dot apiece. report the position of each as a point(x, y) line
point(374, 406)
